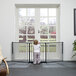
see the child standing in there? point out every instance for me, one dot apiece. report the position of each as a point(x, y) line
point(36, 52)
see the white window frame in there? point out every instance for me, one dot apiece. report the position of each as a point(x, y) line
point(57, 24)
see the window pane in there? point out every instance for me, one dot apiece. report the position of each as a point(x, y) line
point(52, 29)
point(31, 12)
point(43, 12)
point(26, 21)
point(30, 21)
point(31, 30)
point(22, 11)
point(43, 29)
point(22, 21)
point(52, 21)
point(52, 12)
point(22, 30)
point(52, 37)
point(43, 37)
point(31, 37)
point(43, 21)
point(22, 38)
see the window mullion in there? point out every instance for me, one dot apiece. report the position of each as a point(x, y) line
point(48, 22)
point(37, 26)
point(26, 27)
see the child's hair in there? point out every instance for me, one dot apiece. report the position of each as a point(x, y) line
point(35, 42)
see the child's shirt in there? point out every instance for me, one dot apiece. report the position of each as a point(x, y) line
point(37, 48)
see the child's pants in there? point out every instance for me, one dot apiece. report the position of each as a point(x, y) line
point(36, 57)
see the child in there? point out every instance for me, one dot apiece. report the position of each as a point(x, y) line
point(36, 52)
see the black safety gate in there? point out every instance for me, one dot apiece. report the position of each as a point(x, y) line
point(49, 51)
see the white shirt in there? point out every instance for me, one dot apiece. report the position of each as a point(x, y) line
point(37, 48)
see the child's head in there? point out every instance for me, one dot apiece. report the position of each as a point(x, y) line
point(35, 42)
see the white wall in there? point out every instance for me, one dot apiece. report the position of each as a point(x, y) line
point(5, 28)
point(7, 23)
point(67, 26)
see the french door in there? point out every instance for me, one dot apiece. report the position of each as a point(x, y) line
point(40, 24)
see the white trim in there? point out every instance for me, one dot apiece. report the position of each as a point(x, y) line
point(17, 26)
point(37, 5)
